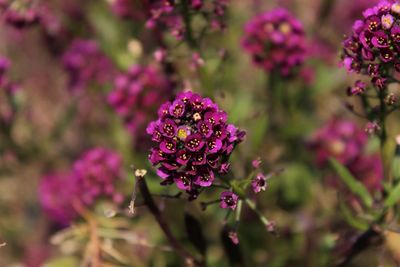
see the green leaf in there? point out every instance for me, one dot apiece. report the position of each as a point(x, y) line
point(352, 220)
point(393, 197)
point(355, 186)
point(195, 233)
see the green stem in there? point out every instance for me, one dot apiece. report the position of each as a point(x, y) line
point(262, 218)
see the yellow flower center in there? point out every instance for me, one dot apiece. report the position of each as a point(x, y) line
point(182, 134)
point(285, 28)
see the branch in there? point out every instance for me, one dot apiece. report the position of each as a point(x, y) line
point(149, 202)
point(364, 241)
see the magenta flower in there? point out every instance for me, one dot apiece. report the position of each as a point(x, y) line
point(56, 193)
point(233, 236)
point(168, 15)
point(95, 175)
point(276, 42)
point(345, 141)
point(369, 170)
point(357, 89)
point(228, 200)
point(19, 13)
point(373, 46)
point(259, 183)
point(136, 95)
point(193, 141)
point(128, 9)
point(339, 138)
point(346, 12)
point(86, 64)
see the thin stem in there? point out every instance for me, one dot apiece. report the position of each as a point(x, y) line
point(252, 206)
point(188, 24)
point(178, 247)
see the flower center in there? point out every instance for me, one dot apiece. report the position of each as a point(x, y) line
point(182, 134)
point(285, 28)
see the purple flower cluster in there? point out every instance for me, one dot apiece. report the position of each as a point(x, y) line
point(345, 141)
point(194, 141)
point(56, 193)
point(346, 12)
point(136, 95)
point(169, 14)
point(19, 13)
point(276, 42)
point(85, 63)
point(128, 9)
point(374, 46)
point(93, 176)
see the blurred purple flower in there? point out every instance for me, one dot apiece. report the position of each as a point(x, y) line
point(129, 9)
point(276, 42)
point(233, 236)
point(19, 13)
point(357, 89)
point(56, 192)
point(259, 183)
point(169, 15)
point(228, 200)
point(85, 63)
point(193, 141)
point(345, 141)
point(339, 138)
point(95, 175)
point(136, 96)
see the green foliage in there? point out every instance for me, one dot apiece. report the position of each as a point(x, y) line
point(351, 182)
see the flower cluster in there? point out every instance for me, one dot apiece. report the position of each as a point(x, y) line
point(136, 95)
point(193, 140)
point(56, 193)
point(172, 15)
point(373, 48)
point(19, 13)
point(345, 12)
point(93, 176)
point(128, 9)
point(345, 141)
point(85, 63)
point(276, 42)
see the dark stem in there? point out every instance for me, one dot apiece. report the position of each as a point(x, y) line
point(151, 205)
point(364, 241)
point(188, 24)
point(382, 117)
